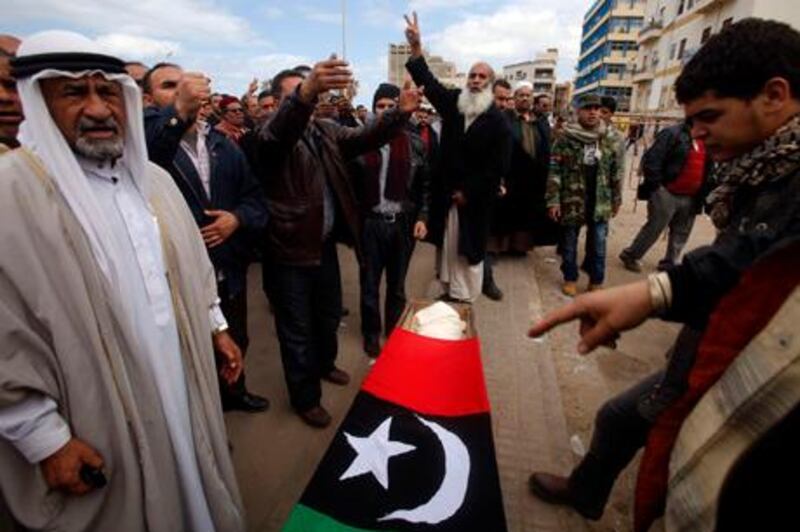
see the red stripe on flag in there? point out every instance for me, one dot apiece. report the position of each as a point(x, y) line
point(430, 376)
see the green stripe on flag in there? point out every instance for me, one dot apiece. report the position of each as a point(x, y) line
point(305, 519)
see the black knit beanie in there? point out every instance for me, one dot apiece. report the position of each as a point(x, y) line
point(385, 90)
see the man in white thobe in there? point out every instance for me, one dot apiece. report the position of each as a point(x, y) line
point(108, 311)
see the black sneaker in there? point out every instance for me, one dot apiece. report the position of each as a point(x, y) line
point(665, 265)
point(555, 489)
point(492, 291)
point(372, 346)
point(245, 402)
point(631, 264)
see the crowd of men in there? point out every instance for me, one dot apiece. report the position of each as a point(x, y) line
point(134, 199)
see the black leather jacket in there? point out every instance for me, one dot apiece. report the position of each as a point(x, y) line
point(663, 161)
point(761, 217)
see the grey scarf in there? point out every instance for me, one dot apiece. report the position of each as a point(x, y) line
point(575, 131)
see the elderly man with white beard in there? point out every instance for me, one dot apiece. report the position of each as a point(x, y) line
point(474, 156)
point(109, 409)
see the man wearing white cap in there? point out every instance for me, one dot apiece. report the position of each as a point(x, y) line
point(109, 408)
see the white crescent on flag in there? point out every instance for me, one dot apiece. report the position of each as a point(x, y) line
point(450, 495)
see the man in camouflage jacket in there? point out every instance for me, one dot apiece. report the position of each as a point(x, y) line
point(584, 188)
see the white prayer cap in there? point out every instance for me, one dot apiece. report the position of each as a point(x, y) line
point(522, 85)
point(58, 54)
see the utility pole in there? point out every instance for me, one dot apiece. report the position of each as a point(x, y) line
point(344, 30)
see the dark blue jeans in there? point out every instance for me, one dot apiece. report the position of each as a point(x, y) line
point(595, 263)
point(308, 307)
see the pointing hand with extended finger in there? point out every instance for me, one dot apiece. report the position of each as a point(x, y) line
point(603, 314)
point(193, 89)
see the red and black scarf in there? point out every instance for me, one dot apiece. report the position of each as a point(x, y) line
point(396, 174)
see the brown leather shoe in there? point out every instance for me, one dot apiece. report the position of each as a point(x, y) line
point(555, 490)
point(337, 376)
point(317, 417)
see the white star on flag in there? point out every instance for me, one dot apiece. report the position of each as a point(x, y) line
point(374, 452)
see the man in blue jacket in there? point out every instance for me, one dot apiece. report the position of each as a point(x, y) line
point(227, 202)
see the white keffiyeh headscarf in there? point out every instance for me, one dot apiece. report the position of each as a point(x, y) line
point(60, 54)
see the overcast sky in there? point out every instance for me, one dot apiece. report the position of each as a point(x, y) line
point(236, 40)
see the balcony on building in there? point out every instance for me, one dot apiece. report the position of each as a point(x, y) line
point(650, 31)
point(641, 75)
point(621, 34)
point(705, 6)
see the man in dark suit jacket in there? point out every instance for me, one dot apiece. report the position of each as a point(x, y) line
point(225, 199)
point(475, 151)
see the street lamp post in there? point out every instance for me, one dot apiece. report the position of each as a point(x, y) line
point(344, 29)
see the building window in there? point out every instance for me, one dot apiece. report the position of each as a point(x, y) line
point(706, 35)
point(681, 48)
point(672, 51)
point(727, 22)
point(690, 5)
point(680, 7)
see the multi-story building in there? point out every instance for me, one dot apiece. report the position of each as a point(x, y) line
point(541, 72)
point(608, 49)
point(674, 30)
point(445, 71)
point(562, 97)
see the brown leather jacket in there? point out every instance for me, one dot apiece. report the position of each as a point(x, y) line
point(297, 153)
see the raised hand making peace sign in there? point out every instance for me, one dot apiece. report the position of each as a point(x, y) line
point(413, 36)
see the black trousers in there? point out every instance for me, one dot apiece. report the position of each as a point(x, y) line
point(387, 245)
point(308, 306)
point(234, 308)
point(620, 430)
point(488, 269)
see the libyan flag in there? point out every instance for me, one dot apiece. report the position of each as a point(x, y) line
point(415, 452)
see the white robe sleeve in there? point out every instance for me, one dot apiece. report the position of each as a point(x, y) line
point(34, 427)
point(218, 321)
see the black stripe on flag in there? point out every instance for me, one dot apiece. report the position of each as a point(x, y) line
point(415, 477)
